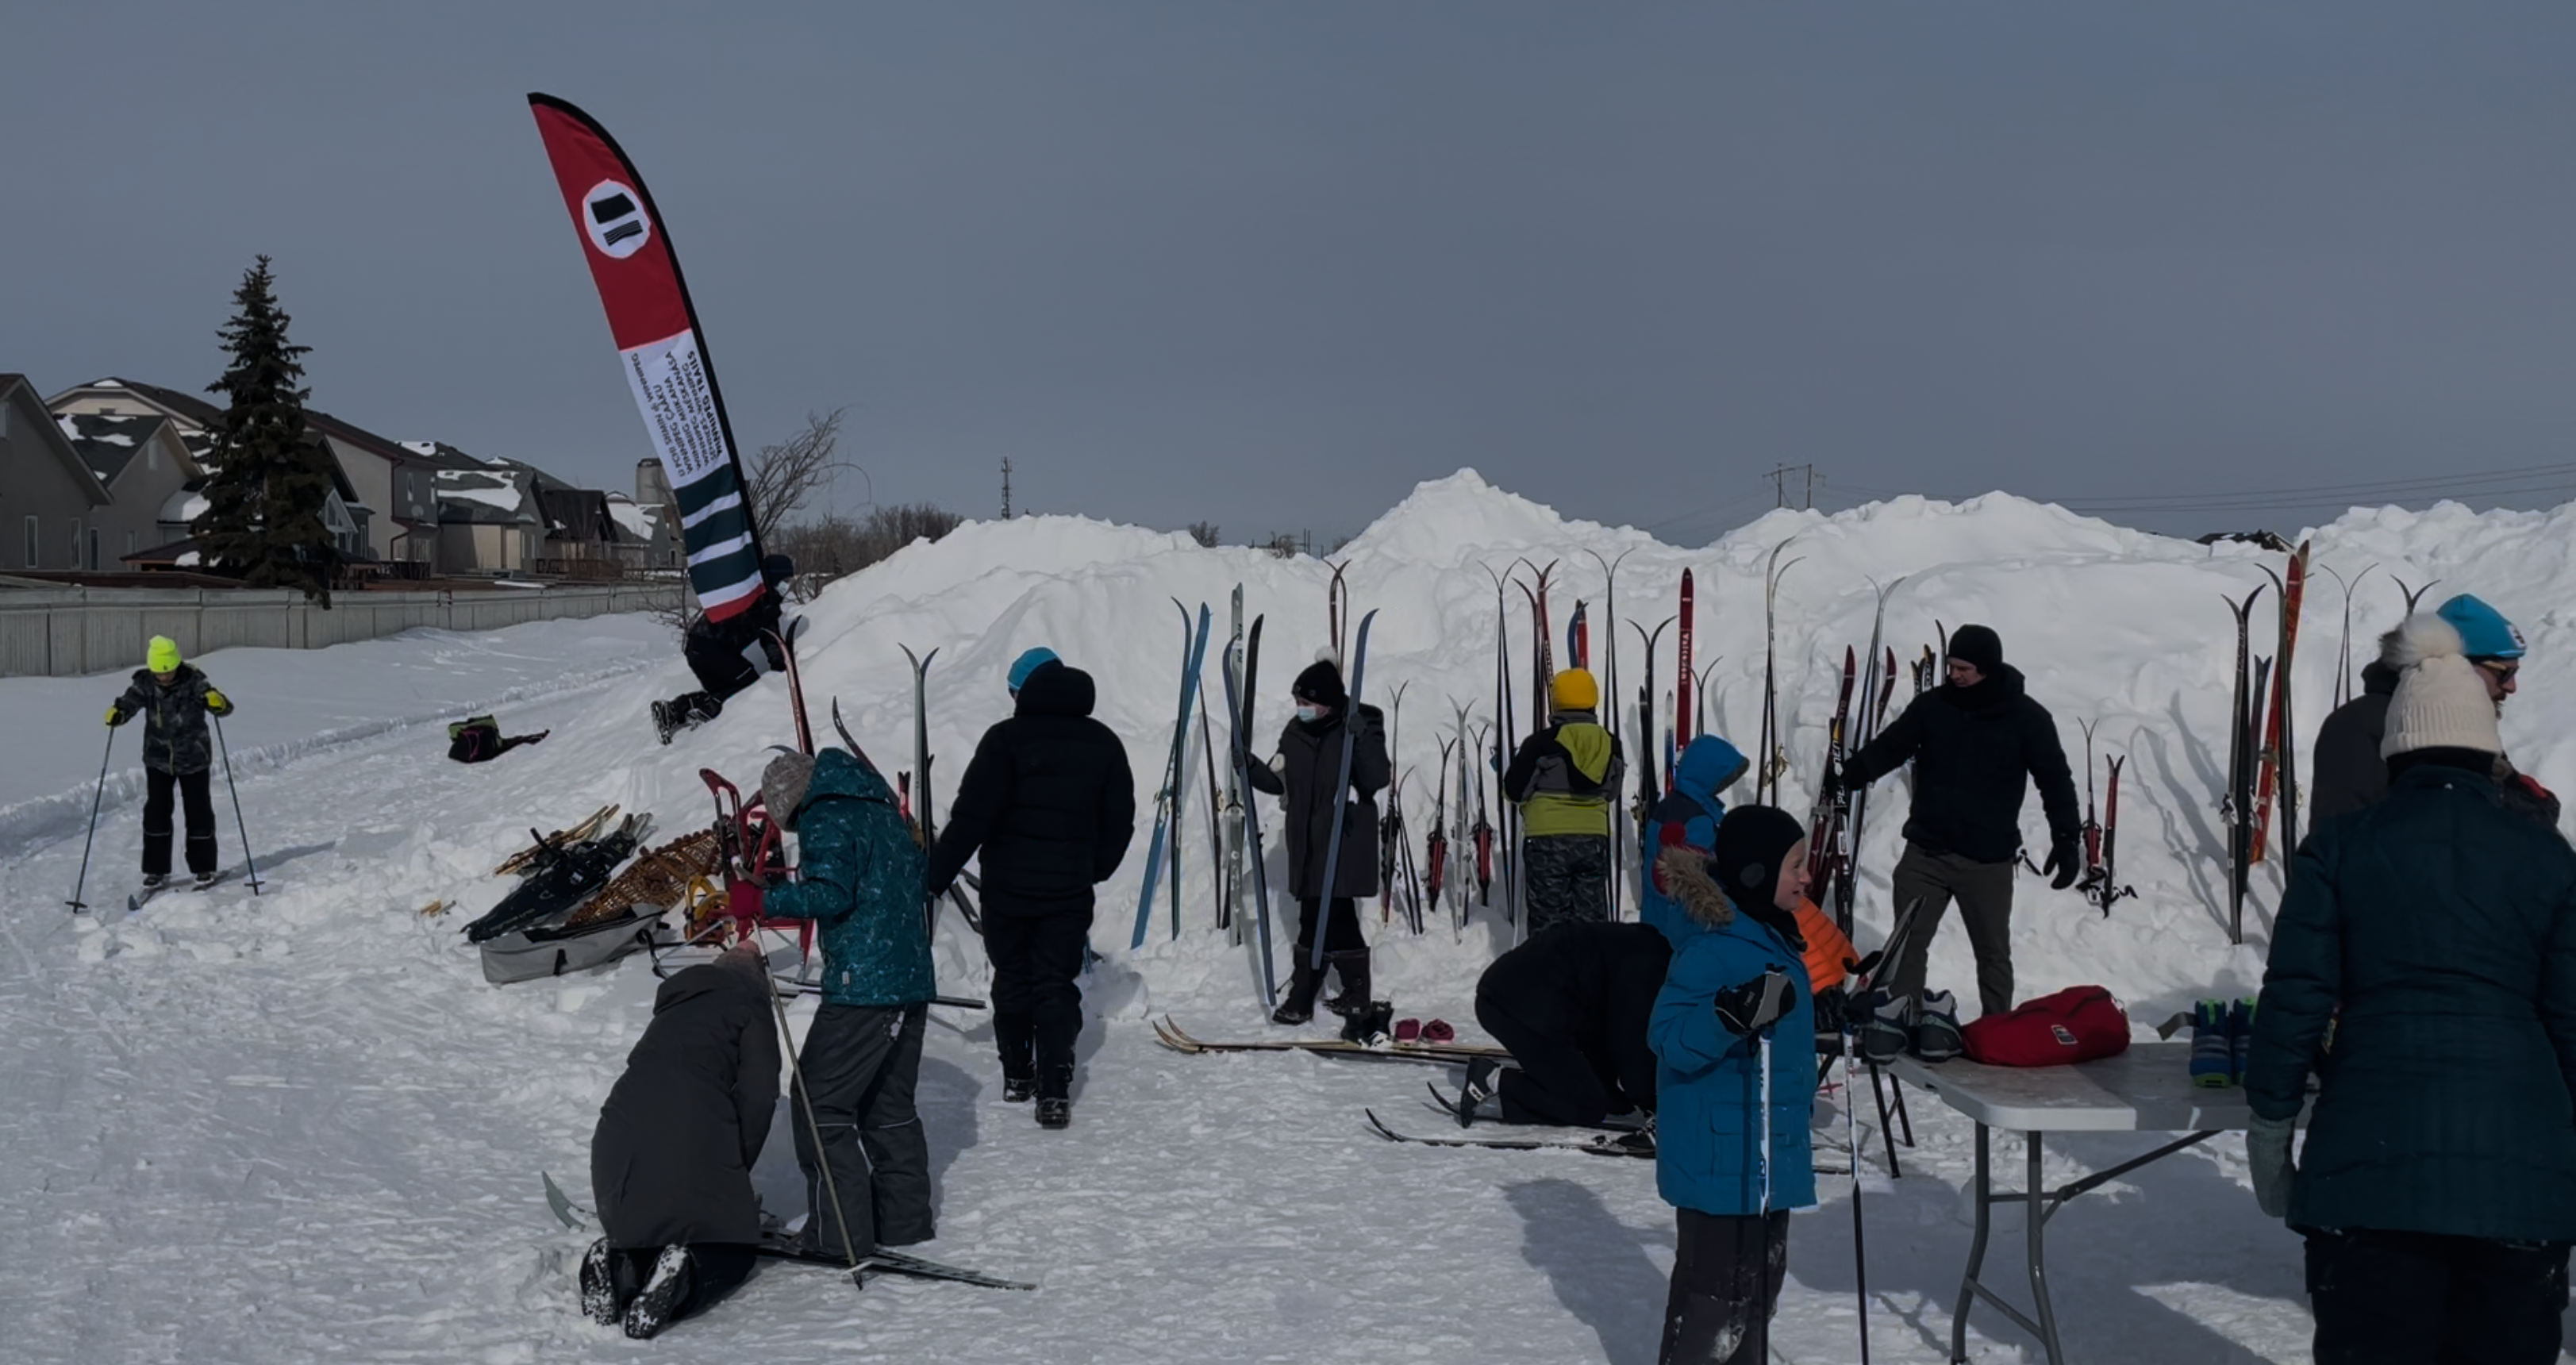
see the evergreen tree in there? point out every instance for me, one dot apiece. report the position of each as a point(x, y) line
point(271, 481)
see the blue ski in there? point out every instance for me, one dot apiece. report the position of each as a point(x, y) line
point(1166, 812)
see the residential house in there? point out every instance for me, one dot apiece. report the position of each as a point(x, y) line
point(143, 463)
point(488, 519)
point(49, 496)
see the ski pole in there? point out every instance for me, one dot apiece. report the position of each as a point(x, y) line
point(1762, 1284)
point(82, 883)
point(248, 864)
point(814, 1129)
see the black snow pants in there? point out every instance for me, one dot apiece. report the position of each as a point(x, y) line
point(1037, 1005)
point(196, 791)
point(862, 1063)
point(1569, 879)
point(2421, 1298)
point(1554, 1081)
point(1727, 1271)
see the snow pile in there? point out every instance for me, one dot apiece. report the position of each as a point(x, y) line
point(301, 1125)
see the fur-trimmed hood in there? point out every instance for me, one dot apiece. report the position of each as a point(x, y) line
point(1684, 871)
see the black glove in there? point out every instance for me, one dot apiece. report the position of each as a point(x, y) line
point(1830, 1004)
point(1757, 1004)
point(2065, 860)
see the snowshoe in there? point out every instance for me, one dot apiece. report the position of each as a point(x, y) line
point(1936, 1028)
point(563, 878)
point(2213, 1053)
point(674, 1273)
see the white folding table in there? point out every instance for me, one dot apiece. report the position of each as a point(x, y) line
point(2146, 1089)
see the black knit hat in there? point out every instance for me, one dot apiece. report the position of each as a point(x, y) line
point(1978, 645)
point(1751, 842)
point(1321, 684)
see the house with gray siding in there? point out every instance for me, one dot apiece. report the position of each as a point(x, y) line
point(49, 497)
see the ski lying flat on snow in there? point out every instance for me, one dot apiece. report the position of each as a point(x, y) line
point(892, 1263)
point(1172, 1037)
point(1630, 1145)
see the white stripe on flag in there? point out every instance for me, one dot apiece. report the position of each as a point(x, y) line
point(735, 593)
point(726, 503)
point(720, 549)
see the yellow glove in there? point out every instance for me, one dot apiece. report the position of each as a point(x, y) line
point(115, 717)
point(215, 702)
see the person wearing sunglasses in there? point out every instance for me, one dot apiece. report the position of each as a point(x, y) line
point(2348, 773)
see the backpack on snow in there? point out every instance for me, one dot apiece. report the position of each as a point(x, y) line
point(529, 954)
point(2078, 1024)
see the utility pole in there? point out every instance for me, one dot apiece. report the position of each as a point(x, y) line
point(1779, 478)
point(1006, 488)
point(1811, 490)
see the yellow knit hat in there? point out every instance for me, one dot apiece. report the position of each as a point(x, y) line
point(1575, 690)
point(163, 656)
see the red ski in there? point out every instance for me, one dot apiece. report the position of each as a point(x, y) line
point(2273, 772)
point(1682, 693)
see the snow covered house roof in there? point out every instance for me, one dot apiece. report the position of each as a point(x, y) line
point(32, 418)
point(635, 521)
point(107, 444)
point(500, 495)
point(441, 455)
point(187, 409)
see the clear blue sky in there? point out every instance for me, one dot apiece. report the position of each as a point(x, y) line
point(1268, 265)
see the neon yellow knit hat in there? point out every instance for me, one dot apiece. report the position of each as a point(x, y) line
point(163, 657)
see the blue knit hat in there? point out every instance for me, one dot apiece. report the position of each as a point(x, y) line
point(1029, 663)
point(2484, 633)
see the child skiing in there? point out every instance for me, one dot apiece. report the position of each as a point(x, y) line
point(174, 699)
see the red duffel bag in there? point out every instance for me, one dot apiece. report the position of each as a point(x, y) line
point(2077, 1024)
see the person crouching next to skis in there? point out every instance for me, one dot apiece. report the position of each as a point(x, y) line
point(2424, 965)
point(859, 876)
point(1306, 776)
point(174, 700)
point(1564, 778)
point(671, 1159)
point(1734, 1037)
point(1571, 1006)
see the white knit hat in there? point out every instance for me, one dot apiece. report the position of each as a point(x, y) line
point(2440, 703)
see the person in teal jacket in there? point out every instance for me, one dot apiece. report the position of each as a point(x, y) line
point(1686, 818)
point(1734, 998)
point(2423, 968)
point(859, 875)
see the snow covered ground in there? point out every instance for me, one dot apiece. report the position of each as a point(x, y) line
point(301, 1127)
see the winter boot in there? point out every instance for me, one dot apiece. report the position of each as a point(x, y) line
point(1936, 1028)
point(154, 881)
point(204, 880)
point(1484, 1081)
point(665, 1292)
point(1353, 968)
point(1303, 982)
point(1055, 1098)
point(1016, 1036)
point(2240, 1037)
point(2213, 1053)
point(599, 1288)
point(1368, 1028)
point(1887, 1030)
point(665, 724)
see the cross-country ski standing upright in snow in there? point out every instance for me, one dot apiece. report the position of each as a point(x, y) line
point(730, 654)
point(1734, 1036)
point(1049, 801)
point(174, 699)
point(1564, 778)
point(859, 877)
point(2434, 934)
point(2349, 773)
point(1302, 774)
point(1977, 742)
point(671, 1158)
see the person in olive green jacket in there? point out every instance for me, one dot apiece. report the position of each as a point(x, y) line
point(1564, 778)
point(2424, 969)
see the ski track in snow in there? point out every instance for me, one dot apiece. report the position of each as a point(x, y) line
point(299, 1126)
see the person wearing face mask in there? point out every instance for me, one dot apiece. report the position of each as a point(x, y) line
point(1303, 775)
point(1734, 999)
point(2348, 772)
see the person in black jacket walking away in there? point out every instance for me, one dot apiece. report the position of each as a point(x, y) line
point(1571, 1005)
point(1564, 778)
point(174, 700)
point(1303, 776)
point(1977, 742)
point(671, 1159)
point(1049, 800)
point(2423, 967)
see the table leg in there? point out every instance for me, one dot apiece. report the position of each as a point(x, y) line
point(1983, 1197)
point(2035, 1215)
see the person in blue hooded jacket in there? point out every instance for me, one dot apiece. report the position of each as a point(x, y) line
point(1687, 818)
point(1731, 1152)
point(859, 876)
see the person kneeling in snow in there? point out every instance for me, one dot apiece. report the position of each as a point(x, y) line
point(1734, 1022)
point(671, 1159)
point(478, 739)
point(860, 876)
point(1571, 1006)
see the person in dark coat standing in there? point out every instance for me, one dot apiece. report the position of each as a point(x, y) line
point(671, 1159)
point(2423, 967)
point(2348, 773)
point(1303, 775)
point(859, 877)
point(729, 655)
point(174, 700)
point(1570, 1004)
point(1051, 804)
point(1977, 743)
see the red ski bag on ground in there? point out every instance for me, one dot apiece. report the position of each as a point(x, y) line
point(2078, 1024)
